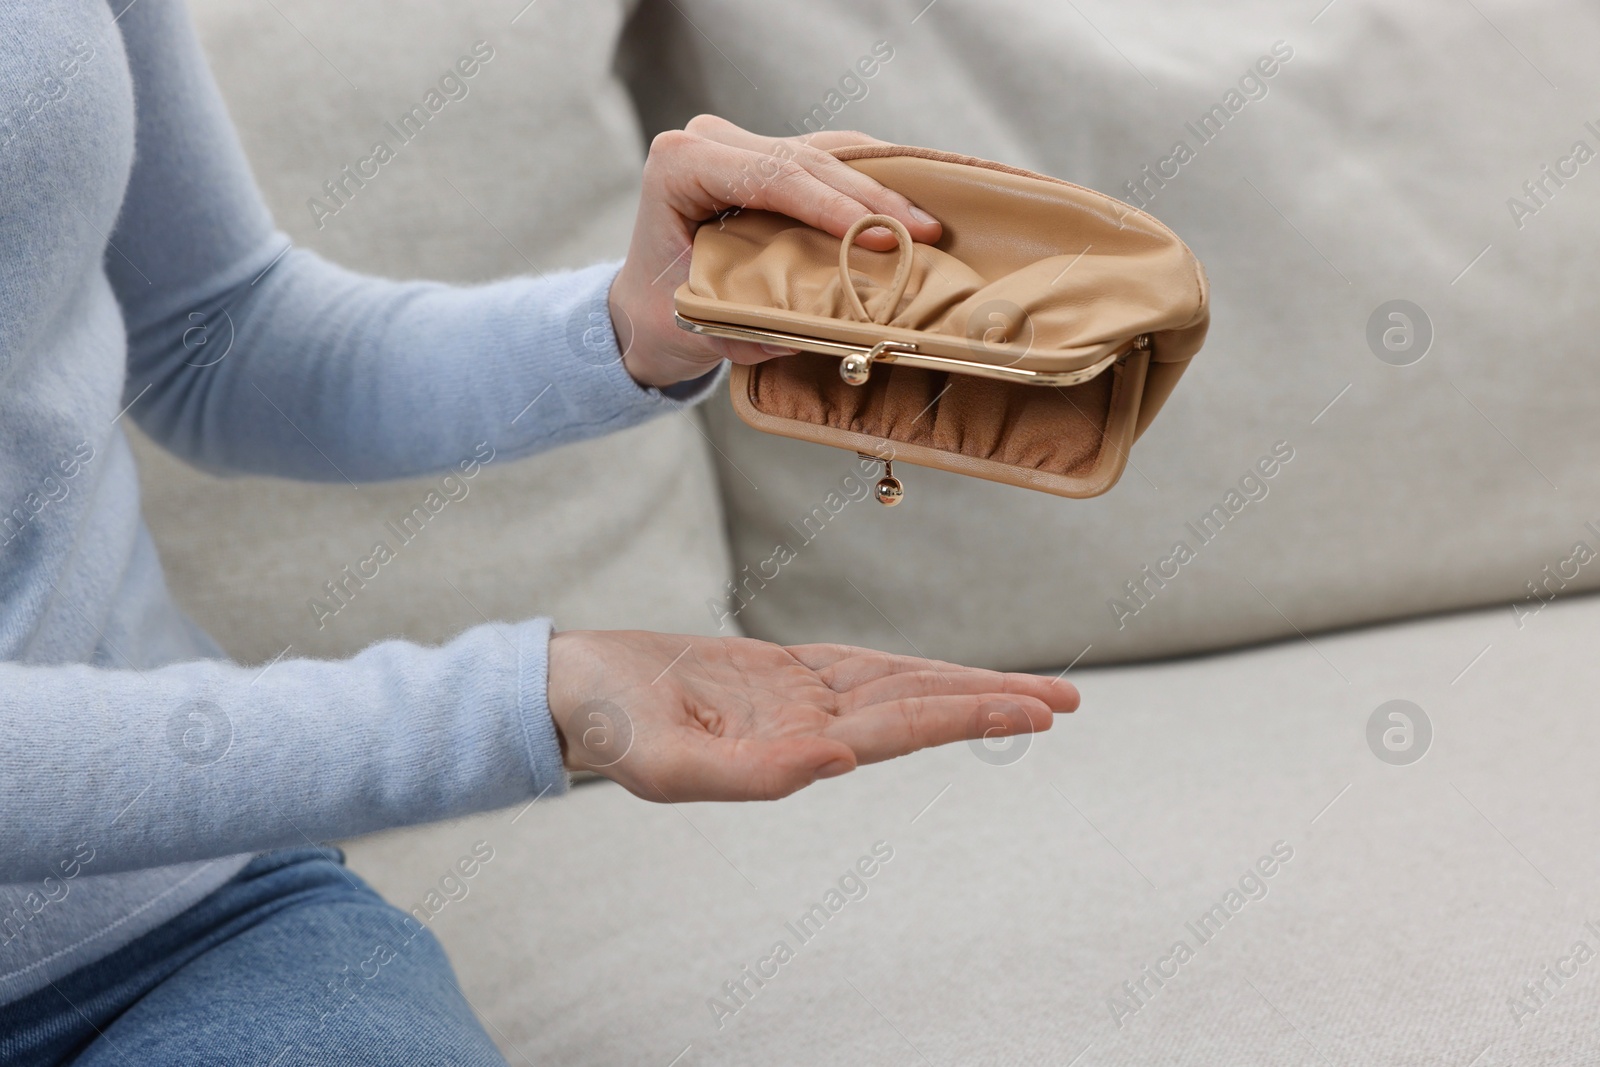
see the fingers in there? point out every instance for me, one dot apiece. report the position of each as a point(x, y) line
point(829, 139)
point(796, 191)
point(895, 728)
point(869, 676)
point(1058, 695)
point(705, 177)
point(736, 168)
point(820, 657)
point(706, 767)
point(879, 198)
point(811, 153)
point(749, 353)
point(818, 189)
point(717, 128)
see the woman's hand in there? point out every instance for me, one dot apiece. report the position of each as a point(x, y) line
point(676, 718)
point(708, 167)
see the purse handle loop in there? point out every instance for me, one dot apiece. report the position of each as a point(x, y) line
point(902, 272)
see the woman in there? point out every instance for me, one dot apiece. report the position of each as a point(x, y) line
point(161, 898)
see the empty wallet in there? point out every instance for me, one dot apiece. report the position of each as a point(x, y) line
point(1032, 345)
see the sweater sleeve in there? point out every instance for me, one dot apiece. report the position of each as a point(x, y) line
point(204, 759)
point(310, 371)
point(246, 354)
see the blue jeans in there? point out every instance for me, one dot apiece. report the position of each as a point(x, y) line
point(295, 961)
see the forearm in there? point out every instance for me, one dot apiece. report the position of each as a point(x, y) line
point(205, 759)
point(312, 371)
point(245, 356)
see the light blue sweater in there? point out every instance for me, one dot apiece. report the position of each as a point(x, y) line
point(139, 767)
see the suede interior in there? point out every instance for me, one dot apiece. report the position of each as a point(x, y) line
point(1046, 428)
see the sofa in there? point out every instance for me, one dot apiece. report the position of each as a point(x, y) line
point(1326, 798)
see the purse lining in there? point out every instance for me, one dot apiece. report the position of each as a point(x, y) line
point(1046, 428)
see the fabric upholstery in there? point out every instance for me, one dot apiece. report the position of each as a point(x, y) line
point(1334, 161)
point(1418, 903)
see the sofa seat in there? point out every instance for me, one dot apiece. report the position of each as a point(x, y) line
point(1337, 908)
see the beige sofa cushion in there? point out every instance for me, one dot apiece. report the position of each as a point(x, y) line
point(1378, 162)
point(1418, 902)
point(546, 147)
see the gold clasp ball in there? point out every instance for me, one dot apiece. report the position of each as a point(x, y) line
point(855, 369)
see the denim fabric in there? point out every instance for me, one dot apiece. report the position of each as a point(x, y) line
point(295, 961)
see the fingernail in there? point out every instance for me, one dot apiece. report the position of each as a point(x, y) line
point(833, 768)
point(921, 215)
point(779, 350)
point(878, 231)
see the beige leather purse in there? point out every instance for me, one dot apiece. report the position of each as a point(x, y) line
point(1032, 345)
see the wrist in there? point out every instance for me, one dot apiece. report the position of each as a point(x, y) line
point(593, 732)
point(561, 692)
point(634, 359)
point(649, 352)
point(621, 321)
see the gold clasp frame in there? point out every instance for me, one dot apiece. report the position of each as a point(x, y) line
point(857, 360)
point(856, 368)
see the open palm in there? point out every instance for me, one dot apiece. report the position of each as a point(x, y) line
point(676, 718)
